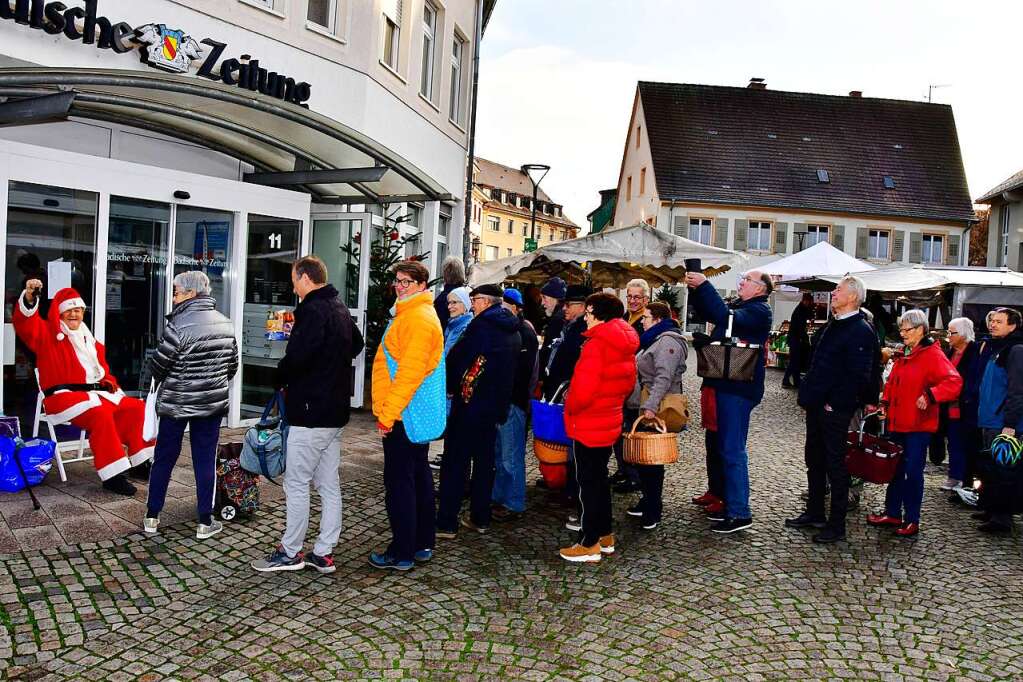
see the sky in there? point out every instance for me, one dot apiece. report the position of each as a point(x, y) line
point(558, 77)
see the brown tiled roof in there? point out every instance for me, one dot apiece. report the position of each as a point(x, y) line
point(727, 145)
point(509, 179)
point(1014, 182)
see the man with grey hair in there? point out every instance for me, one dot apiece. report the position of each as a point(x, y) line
point(453, 272)
point(637, 297)
point(841, 380)
point(192, 367)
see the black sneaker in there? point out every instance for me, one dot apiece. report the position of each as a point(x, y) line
point(502, 514)
point(634, 510)
point(279, 561)
point(323, 564)
point(994, 527)
point(804, 520)
point(434, 463)
point(731, 525)
point(141, 472)
point(650, 525)
point(981, 516)
point(626, 487)
point(119, 485)
point(829, 535)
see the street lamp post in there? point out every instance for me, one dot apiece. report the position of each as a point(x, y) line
point(531, 170)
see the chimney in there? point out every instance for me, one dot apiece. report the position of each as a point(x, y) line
point(757, 84)
point(856, 93)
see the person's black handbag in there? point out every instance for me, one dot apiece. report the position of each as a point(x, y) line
point(728, 358)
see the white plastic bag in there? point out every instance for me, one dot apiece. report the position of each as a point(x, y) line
point(151, 424)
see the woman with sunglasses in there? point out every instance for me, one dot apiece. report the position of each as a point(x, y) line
point(921, 379)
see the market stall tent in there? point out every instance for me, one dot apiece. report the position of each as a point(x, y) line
point(610, 259)
point(820, 259)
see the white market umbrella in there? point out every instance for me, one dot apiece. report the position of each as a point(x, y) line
point(821, 259)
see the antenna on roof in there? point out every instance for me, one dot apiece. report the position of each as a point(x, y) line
point(934, 86)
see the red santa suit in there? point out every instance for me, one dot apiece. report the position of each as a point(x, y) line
point(75, 359)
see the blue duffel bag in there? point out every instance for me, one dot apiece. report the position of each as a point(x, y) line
point(265, 446)
point(549, 418)
point(34, 460)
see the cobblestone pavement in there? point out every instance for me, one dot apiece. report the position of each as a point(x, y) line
point(675, 603)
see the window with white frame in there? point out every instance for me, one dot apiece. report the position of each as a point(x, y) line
point(455, 109)
point(444, 226)
point(759, 236)
point(508, 252)
point(269, 4)
point(323, 13)
point(429, 50)
point(932, 248)
point(492, 253)
point(392, 33)
point(878, 244)
point(525, 229)
point(816, 234)
point(511, 226)
point(1003, 235)
point(494, 223)
point(700, 230)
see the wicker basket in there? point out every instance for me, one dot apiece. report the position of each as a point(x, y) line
point(550, 453)
point(650, 448)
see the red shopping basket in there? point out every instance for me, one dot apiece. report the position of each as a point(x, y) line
point(872, 458)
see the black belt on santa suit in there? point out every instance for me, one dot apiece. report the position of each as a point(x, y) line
point(75, 387)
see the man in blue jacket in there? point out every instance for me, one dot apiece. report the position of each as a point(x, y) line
point(1000, 411)
point(480, 378)
point(734, 400)
point(840, 381)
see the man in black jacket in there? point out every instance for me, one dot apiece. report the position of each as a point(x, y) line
point(315, 373)
point(799, 342)
point(837, 384)
point(510, 472)
point(566, 347)
point(552, 295)
point(480, 376)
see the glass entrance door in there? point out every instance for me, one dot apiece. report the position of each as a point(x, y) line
point(136, 287)
point(272, 248)
point(51, 236)
point(339, 240)
point(202, 241)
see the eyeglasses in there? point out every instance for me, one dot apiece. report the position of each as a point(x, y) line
point(404, 282)
point(954, 334)
point(635, 298)
point(906, 330)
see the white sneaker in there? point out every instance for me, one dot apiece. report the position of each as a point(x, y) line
point(209, 531)
point(149, 525)
point(951, 484)
point(573, 523)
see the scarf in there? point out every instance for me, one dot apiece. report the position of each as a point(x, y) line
point(85, 348)
point(648, 337)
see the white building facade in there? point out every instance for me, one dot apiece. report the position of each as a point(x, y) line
point(142, 139)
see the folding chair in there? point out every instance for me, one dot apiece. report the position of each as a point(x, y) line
point(67, 446)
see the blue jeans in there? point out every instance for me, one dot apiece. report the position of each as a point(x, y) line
point(510, 470)
point(956, 450)
point(203, 435)
point(733, 429)
point(906, 491)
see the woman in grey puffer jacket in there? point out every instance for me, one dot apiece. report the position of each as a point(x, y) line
point(192, 368)
point(660, 366)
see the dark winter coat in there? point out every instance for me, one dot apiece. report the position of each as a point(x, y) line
point(752, 324)
point(842, 369)
point(1001, 389)
point(481, 367)
point(526, 365)
point(924, 372)
point(195, 361)
point(604, 377)
point(551, 333)
point(965, 409)
point(316, 369)
point(564, 355)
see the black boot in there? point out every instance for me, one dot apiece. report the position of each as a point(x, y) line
point(119, 485)
point(141, 472)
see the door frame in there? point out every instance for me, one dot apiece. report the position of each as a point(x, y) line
point(47, 166)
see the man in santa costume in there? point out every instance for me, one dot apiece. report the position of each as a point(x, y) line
point(78, 387)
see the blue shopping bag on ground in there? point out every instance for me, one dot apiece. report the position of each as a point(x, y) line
point(34, 460)
point(265, 447)
point(426, 415)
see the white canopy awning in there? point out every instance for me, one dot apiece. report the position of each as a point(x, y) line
point(820, 259)
point(611, 258)
point(919, 278)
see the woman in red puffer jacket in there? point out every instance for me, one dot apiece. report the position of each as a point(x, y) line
point(921, 379)
point(602, 380)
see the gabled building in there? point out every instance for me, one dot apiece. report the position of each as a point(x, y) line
point(502, 199)
point(772, 173)
point(1005, 223)
point(601, 217)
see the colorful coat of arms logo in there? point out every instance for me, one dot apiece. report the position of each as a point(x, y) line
point(166, 48)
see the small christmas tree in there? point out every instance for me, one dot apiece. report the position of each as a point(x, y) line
point(666, 294)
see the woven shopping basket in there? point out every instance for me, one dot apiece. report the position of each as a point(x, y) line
point(644, 447)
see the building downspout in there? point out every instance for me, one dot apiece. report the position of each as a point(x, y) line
point(477, 40)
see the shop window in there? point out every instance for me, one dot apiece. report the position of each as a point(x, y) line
point(45, 225)
point(456, 111)
point(877, 244)
point(932, 249)
point(759, 236)
point(429, 50)
point(816, 234)
point(415, 215)
point(700, 230)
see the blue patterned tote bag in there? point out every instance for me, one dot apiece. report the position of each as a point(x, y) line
point(426, 415)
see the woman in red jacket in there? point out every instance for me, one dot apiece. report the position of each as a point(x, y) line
point(922, 378)
point(602, 380)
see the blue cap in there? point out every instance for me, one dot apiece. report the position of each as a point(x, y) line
point(513, 296)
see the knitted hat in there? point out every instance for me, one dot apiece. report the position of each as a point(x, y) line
point(462, 294)
point(513, 296)
point(555, 288)
point(488, 290)
point(577, 293)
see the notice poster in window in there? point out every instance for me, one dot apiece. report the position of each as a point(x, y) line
point(113, 296)
point(58, 276)
point(211, 246)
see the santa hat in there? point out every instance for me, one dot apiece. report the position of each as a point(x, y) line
point(65, 300)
